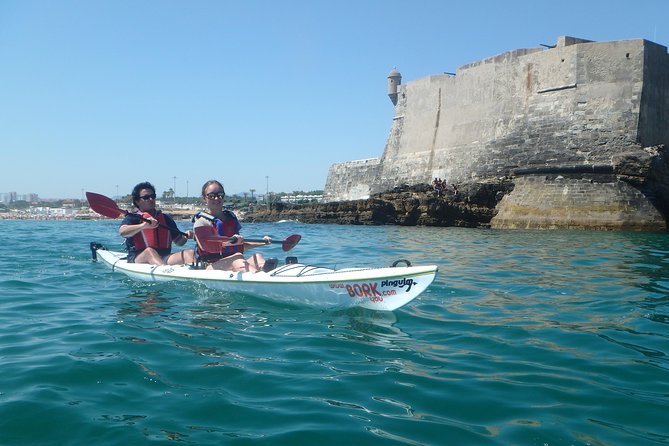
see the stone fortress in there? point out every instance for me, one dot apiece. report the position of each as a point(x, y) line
point(580, 128)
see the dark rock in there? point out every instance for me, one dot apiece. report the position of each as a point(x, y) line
point(472, 206)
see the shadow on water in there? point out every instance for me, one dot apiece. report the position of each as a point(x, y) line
point(146, 303)
point(366, 325)
point(370, 327)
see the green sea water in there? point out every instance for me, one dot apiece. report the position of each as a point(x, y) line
point(525, 338)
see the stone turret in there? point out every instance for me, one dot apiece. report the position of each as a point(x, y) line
point(394, 79)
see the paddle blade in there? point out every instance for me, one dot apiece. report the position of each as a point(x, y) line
point(290, 242)
point(104, 205)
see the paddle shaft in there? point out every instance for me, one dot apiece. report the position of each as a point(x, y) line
point(233, 240)
point(159, 224)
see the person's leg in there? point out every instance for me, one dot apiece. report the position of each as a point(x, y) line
point(255, 262)
point(149, 255)
point(187, 256)
point(251, 265)
point(230, 263)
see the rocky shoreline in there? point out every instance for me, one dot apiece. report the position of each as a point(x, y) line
point(473, 206)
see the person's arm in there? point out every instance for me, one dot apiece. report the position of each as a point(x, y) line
point(128, 228)
point(181, 240)
point(178, 238)
point(250, 245)
point(209, 241)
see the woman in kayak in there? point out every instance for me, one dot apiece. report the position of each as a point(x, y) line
point(149, 233)
point(219, 244)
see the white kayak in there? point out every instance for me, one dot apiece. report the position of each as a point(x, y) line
point(385, 288)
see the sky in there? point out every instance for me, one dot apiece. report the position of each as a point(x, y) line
point(99, 95)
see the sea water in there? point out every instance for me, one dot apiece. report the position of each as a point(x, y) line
point(525, 338)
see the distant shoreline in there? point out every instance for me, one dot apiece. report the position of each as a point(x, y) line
point(50, 217)
point(177, 214)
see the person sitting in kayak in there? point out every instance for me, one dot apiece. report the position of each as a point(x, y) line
point(149, 233)
point(219, 244)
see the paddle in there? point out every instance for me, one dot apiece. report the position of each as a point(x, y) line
point(108, 207)
point(287, 244)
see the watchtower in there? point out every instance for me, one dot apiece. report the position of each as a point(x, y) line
point(394, 79)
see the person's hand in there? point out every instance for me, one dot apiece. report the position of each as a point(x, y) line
point(148, 218)
point(236, 239)
point(268, 240)
point(189, 234)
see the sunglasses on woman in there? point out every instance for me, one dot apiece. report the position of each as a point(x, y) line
point(148, 197)
point(214, 195)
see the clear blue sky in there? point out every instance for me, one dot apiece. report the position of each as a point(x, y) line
point(96, 94)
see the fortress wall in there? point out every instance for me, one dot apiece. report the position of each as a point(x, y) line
point(572, 104)
point(654, 120)
point(351, 180)
point(410, 145)
point(599, 202)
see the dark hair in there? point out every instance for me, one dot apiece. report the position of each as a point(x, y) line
point(139, 187)
point(209, 183)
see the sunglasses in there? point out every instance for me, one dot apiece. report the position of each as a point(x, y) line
point(148, 197)
point(214, 195)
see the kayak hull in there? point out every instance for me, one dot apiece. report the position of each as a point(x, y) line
point(374, 288)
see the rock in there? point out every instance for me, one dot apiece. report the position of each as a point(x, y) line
point(473, 206)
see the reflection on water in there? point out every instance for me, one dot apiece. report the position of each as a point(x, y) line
point(373, 327)
point(141, 303)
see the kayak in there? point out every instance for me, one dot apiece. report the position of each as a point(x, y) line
point(386, 288)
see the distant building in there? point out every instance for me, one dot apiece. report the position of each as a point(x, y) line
point(302, 198)
point(7, 197)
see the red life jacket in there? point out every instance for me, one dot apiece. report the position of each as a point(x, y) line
point(158, 238)
point(226, 228)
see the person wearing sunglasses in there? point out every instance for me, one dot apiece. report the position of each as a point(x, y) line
point(149, 233)
point(219, 244)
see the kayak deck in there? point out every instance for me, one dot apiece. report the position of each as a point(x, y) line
point(386, 288)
